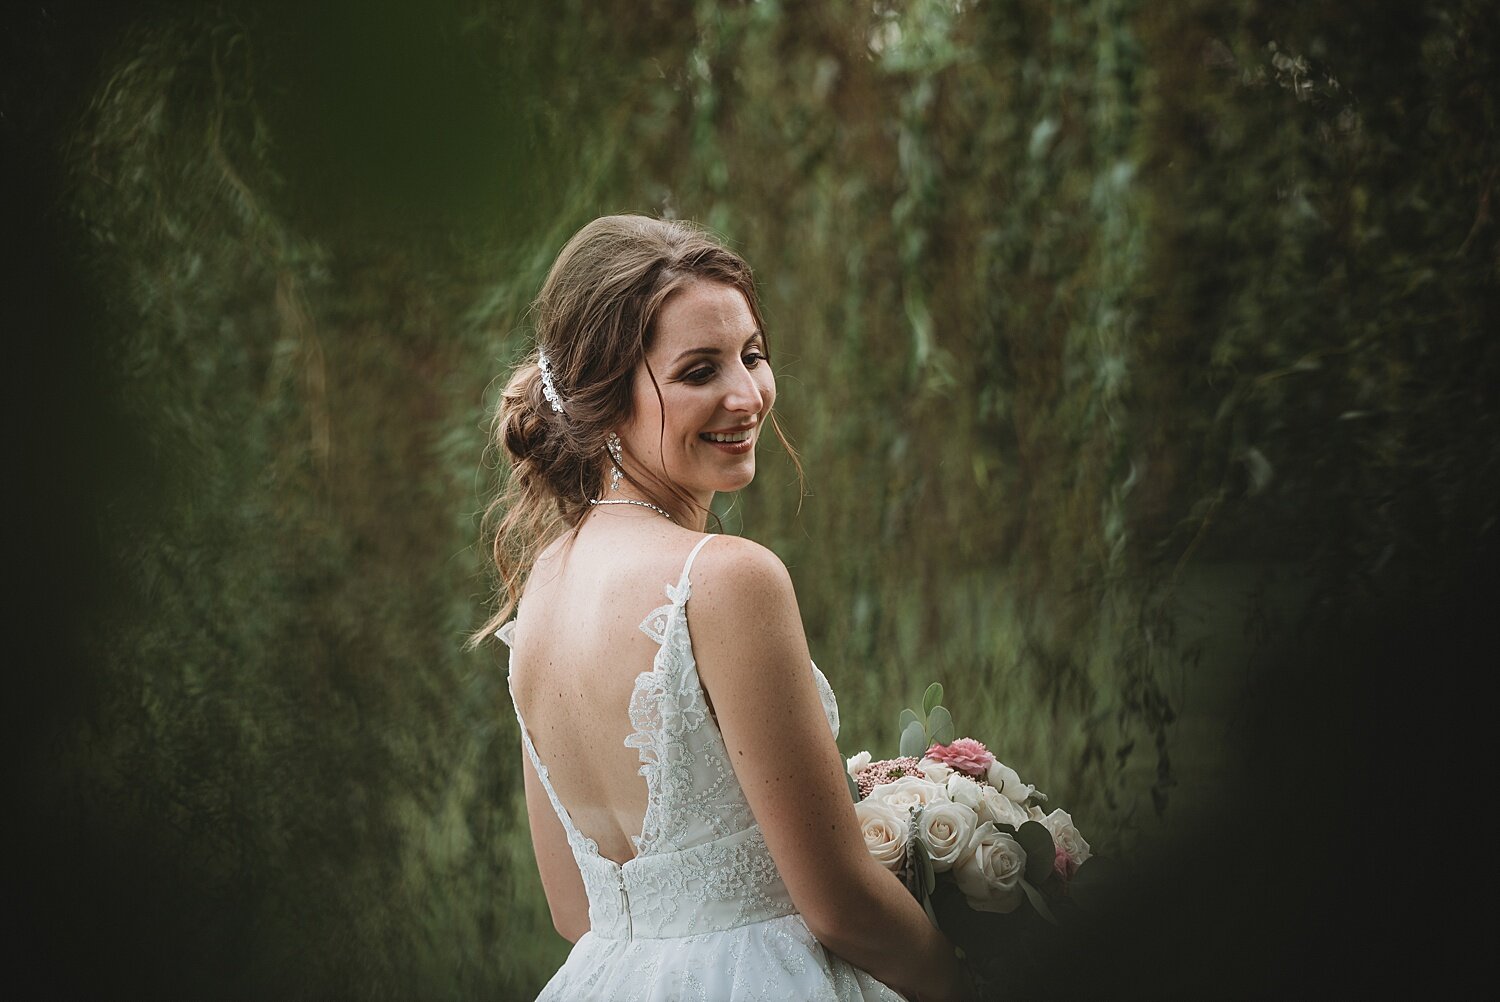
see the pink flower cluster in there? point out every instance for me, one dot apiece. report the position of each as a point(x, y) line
point(966, 755)
point(885, 771)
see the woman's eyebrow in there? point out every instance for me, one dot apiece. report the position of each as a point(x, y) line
point(695, 351)
point(710, 350)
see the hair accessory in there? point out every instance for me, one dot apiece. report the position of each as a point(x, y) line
point(616, 453)
point(549, 388)
point(644, 504)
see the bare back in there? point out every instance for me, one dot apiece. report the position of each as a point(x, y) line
point(577, 650)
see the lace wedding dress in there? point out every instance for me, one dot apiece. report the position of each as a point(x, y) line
point(700, 912)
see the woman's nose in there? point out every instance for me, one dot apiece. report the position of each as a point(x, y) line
point(744, 393)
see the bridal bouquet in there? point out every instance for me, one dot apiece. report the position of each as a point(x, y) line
point(968, 837)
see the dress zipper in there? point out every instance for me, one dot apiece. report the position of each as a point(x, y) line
point(625, 904)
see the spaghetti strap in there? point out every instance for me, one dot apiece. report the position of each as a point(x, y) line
point(688, 566)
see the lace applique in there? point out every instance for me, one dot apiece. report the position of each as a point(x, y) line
point(655, 625)
point(691, 794)
point(717, 885)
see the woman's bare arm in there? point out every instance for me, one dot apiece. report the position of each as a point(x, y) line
point(561, 881)
point(752, 658)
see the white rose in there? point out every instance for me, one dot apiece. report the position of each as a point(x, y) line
point(963, 790)
point(857, 762)
point(947, 829)
point(995, 806)
point(1003, 778)
point(1067, 837)
point(990, 875)
point(907, 792)
point(935, 770)
point(885, 830)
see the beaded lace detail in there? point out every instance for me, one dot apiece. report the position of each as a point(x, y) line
point(701, 863)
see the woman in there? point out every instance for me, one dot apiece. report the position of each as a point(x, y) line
point(736, 870)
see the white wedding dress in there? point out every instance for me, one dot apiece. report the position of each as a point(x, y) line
point(700, 912)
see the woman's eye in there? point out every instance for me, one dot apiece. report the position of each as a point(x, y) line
point(700, 375)
point(753, 359)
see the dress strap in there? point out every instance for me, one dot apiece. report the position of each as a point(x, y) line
point(507, 635)
point(688, 566)
point(574, 835)
point(656, 622)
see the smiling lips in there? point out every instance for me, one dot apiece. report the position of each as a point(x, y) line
point(727, 436)
point(733, 442)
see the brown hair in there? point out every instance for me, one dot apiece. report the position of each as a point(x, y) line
point(595, 318)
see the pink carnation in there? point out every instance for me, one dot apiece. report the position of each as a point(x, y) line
point(1064, 866)
point(965, 755)
point(885, 771)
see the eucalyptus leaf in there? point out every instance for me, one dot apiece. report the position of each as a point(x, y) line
point(932, 697)
point(913, 740)
point(908, 716)
point(853, 787)
point(940, 725)
point(1040, 855)
point(1038, 902)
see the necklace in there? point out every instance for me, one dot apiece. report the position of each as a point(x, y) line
point(644, 504)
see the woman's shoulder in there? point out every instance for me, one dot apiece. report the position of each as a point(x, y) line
point(738, 565)
point(747, 631)
point(741, 589)
point(720, 563)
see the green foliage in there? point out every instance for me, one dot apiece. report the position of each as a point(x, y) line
point(1037, 900)
point(920, 731)
point(1037, 842)
point(1065, 301)
point(932, 697)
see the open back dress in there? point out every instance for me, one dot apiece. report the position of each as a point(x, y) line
point(700, 912)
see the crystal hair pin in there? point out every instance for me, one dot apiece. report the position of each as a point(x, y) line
point(549, 388)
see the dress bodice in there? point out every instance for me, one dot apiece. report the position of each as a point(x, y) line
point(701, 864)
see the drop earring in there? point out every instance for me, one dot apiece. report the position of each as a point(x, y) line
point(616, 453)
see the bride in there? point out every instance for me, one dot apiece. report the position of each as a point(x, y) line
point(687, 802)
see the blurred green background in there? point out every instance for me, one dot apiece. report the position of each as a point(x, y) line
point(1141, 357)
